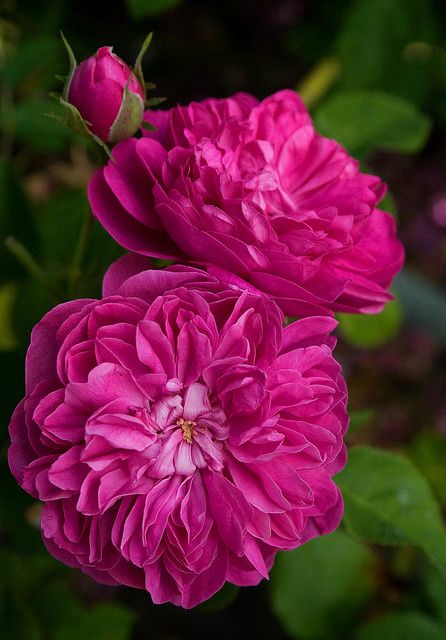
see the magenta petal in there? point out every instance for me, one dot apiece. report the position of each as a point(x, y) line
point(154, 348)
point(131, 233)
point(230, 510)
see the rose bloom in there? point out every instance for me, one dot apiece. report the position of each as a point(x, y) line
point(177, 434)
point(96, 89)
point(254, 190)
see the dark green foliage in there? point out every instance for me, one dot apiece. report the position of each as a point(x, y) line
point(381, 576)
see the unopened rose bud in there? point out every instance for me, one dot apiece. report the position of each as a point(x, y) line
point(108, 96)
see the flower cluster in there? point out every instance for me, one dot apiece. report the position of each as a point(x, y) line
point(178, 434)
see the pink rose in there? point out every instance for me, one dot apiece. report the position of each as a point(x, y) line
point(96, 89)
point(252, 189)
point(177, 434)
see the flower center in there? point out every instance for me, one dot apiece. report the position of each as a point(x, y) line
point(188, 428)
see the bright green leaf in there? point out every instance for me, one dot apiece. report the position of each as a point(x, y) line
point(319, 589)
point(364, 121)
point(371, 331)
point(403, 626)
point(144, 8)
point(388, 501)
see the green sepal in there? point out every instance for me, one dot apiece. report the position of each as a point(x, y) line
point(129, 117)
point(154, 102)
point(77, 123)
point(147, 126)
point(73, 65)
point(137, 70)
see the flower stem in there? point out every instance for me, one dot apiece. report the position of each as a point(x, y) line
point(316, 84)
point(75, 269)
point(8, 122)
point(21, 253)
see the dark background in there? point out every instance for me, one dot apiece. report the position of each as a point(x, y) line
point(395, 364)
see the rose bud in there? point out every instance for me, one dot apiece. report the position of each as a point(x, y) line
point(107, 95)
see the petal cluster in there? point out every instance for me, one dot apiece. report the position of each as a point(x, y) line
point(178, 435)
point(253, 190)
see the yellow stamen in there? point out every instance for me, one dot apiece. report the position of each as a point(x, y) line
point(187, 427)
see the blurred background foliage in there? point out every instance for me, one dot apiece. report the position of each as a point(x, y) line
point(374, 76)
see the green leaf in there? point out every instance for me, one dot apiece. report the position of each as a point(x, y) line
point(428, 451)
point(403, 626)
point(143, 8)
point(319, 589)
point(388, 501)
point(107, 621)
point(364, 121)
point(375, 47)
point(34, 128)
point(371, 331)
